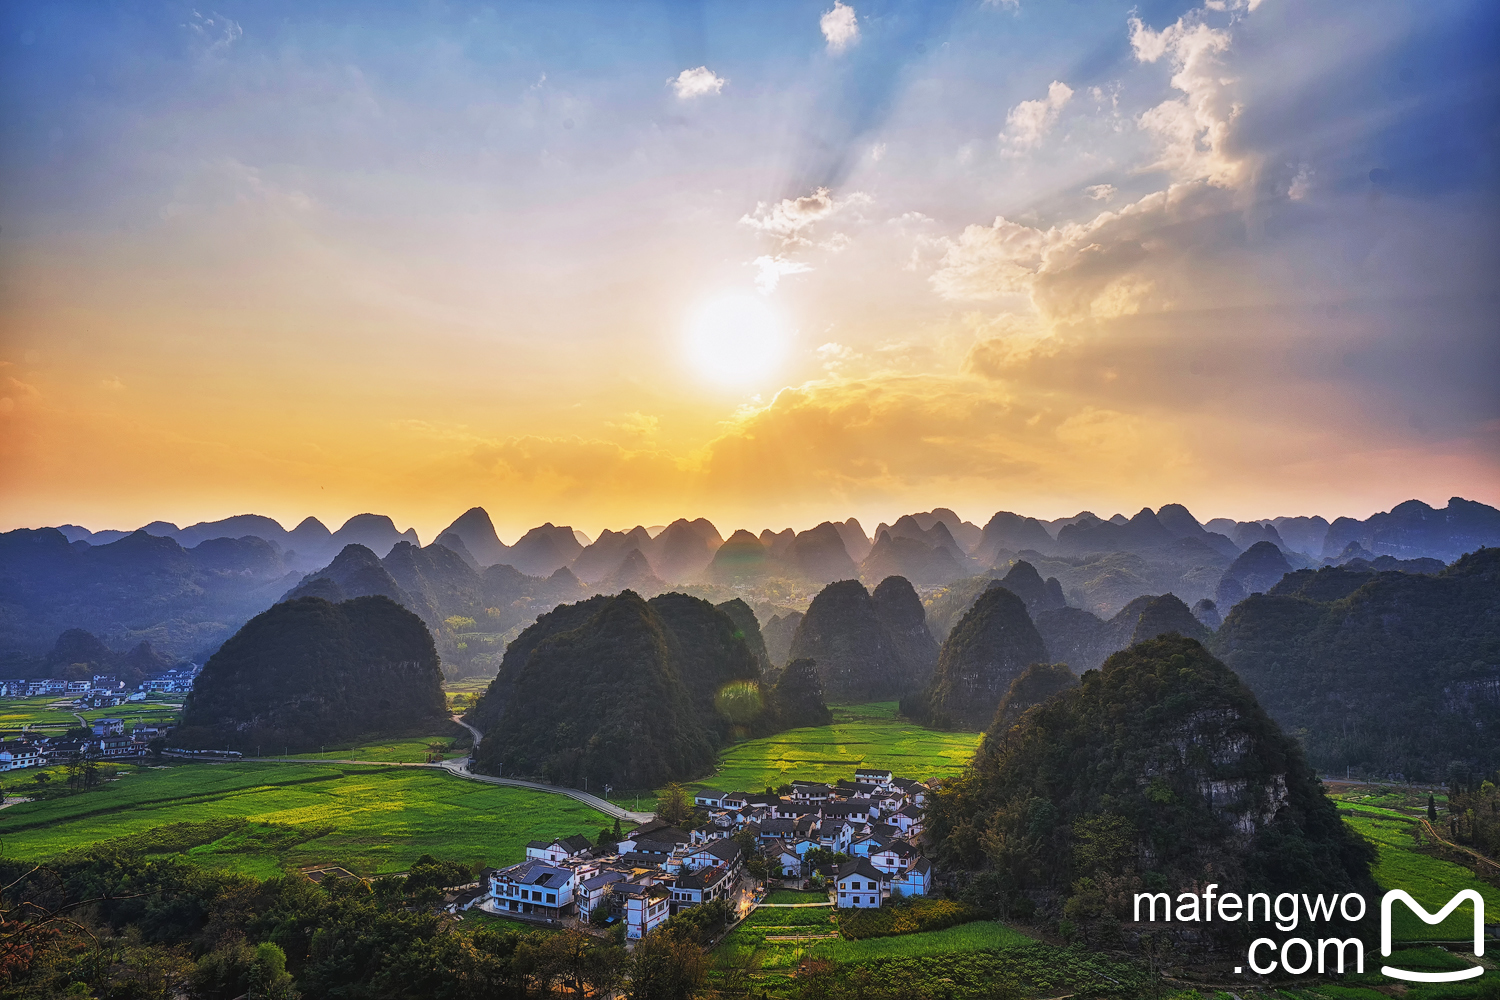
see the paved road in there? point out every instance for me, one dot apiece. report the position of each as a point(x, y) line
point(460, 769)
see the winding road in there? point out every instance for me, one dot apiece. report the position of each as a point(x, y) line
point(460, 769)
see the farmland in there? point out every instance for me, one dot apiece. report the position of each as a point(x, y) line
point(368, 819)
point(1389, 820)
point(860, 736)
point(52, 712)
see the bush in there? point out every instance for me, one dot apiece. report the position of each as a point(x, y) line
point(906, 917)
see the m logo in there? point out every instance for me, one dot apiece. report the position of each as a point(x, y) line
point(1431, 918)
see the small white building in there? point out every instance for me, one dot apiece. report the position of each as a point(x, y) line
point(644, 906)
point(710, 797)
point(860, 885)
point(560, 849)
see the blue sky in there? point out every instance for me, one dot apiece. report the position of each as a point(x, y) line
point(1025, 255)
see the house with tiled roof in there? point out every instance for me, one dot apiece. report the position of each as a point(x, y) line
point(860, 885)
point(916, 880)
point(534, 887)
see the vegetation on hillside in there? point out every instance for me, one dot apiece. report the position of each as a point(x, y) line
point(1386, 673)
point(308, 672)
point(1160, 771)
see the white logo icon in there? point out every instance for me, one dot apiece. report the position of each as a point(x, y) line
point(1431, 918)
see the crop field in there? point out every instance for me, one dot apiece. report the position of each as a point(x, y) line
point(1388, 819)
point(811, 933)
point(38, 711)
point(860, 736)
point(408, 751)
point(368, 819)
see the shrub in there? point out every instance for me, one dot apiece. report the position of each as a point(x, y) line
point(906, 917)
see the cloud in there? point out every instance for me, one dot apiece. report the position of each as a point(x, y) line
point(112, 383)
point(840, 27)
point(1301, 184)
point(770, 270)
point(1193, 132)
point(691, 83)
point(213, 35)
point(1100, 192)
point(1028, 122)
point(787, 218)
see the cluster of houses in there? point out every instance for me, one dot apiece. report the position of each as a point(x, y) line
point(103, 690)
point(658, 870)
point(108, 738)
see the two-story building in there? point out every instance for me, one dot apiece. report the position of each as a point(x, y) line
point(15, 755)
point(916, 880)
point(860, 884)
point(723, 852)
point(645, 906)
point(702, 886)
point(534, 886)
point(594, 892)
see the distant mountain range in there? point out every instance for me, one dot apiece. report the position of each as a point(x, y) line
point(187, 589)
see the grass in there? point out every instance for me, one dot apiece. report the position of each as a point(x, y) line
point(860, 736)
point(795, 896)
point(38, 711)
point(748, 941)
point(368, 819)
point(409, 751)
point(1430, 880)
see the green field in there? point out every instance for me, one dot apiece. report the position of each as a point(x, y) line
point(748, 944)
point(1430, 880)
point(860, 736)
point(409, 751)
point(18, 712)
point(368, 819)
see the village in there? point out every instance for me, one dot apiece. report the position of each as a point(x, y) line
point(860, 840)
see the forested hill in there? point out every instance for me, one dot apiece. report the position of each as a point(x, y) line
point(1160, 771)
point(630, 692)
point(1386, 672)
point(308, 672)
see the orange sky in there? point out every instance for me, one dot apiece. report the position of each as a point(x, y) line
point(273, 279)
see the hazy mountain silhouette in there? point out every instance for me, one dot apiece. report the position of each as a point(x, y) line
point(477, 532)
point(819, 555)
point(857, 658)
point(991, 646)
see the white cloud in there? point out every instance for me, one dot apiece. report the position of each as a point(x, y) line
point(987, 262)
point(1100, 192)
point(1011, 5)
point(1193, 131)
point(772, 268)
point(787, 218)
point(1301, 184)
point(877, 152)
point(1029, 121)
point(214, 34)
point(692, 83)
point(840, 27)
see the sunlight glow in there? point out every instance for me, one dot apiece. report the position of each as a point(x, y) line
point(736, 340)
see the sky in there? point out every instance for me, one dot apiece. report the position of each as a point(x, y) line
point(771, 263)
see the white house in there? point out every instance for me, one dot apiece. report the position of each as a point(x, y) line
point(835, 835)
point(594, 891)
point(702, 886)
point(533, 886)
point(908, 820)
point(893, 857)
point(560, 849)
point(860, 884)
point(16, 755)
point(716, 852)
point(864, 844)
point(710, 797)
point(788, 862)
point(915, 881)
point(644, 907)
point(873, 776)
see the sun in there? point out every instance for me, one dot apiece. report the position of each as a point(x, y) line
point(736, 340)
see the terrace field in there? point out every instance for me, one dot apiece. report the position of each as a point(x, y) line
point(369, 819)
point(53, 712)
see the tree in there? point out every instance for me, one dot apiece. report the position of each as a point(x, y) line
point(665, 967)
point(673, 805)
point(269, 979)
point(604, 836)
point(1431, 809)
point(618, 836)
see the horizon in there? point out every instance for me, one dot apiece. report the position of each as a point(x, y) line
point(508, 535)
point(602, 264)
